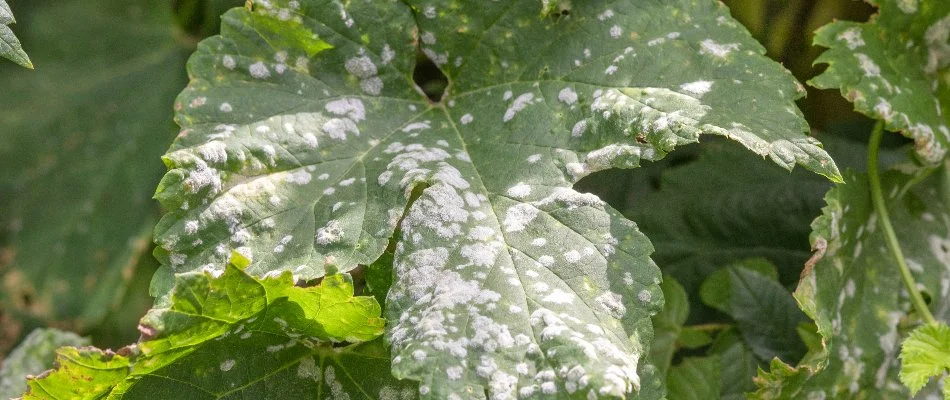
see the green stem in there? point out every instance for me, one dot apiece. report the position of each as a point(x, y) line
point(877, 197)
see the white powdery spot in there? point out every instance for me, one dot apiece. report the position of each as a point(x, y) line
point(519, 191)
point(567, 95)
point(709, 46)
point(616, 31)
point(867, 65)
point(388, 54)
point(259, 70)
point(579, 128)
point(558, 296)
point(539, 242)
point(307, 369)
point(644, 296)
point(466, 119)
point(214, 152)
point(225, 107)
point(298, 177)
point(516, 106)
point(228, 62)
point(331, 233)
point(852, 38)
point(534, 158)
point(907, 6)
point(226, 365)
point(351, 108)
point(572, 256)
point(519, 216)
point(613, 304)
point(697, 88)
point(362, 67)
point(610, 70)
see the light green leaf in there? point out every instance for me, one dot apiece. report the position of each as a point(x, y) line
point(31, 357)
point(81, 373)
point(229, 334)
point(80, 155)
point(852, 287)
point(765, 311)
point(894, 68)
point(10, 47)
point(304, 137)
point(925, 354)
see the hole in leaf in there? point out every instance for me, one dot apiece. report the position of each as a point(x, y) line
point(429, 78)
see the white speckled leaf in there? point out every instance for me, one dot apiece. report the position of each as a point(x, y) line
point(9, 45)
point(895, 68)
point(304, 137)
point(853, 290)
point(235, 336)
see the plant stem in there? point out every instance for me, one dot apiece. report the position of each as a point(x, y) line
point(708, 327)
point(877, 197)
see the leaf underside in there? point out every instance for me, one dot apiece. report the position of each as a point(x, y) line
point(853, 291)
point(895, 68)
point(10, 47)
point(304, 136)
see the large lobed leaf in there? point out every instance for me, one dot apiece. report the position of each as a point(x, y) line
point(10, 47)
point(895, 68)
point(853, 290)
point(304, 137)
point(230, 335)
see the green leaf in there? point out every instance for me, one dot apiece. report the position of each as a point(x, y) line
point(853, 291)
point(304, 137)
point(668, 323)
point(765, 311)
point(31, 357)
point(79, 159)
point(738, 364)
point(81, 373)
point(894, 68)
point(718, 210)
point(925, 354)
point(10, 47)
point(230, 334)
point(696, 378)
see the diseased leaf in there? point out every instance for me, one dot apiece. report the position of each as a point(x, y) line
point(765, 311)
point(894, 68)
point(81, 373)
point(926, 354)
point(852, 287)
point(304, 137)
point(235, 335)
point(10, 47)
point(31, 357)
point(79, 159)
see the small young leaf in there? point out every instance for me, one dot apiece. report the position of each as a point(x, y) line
point(31, 357)
point(926, 354)
point(10, 47)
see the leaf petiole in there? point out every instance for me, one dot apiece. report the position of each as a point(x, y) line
point(877, 197)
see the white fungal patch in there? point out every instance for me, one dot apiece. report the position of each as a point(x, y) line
point(259, 70)
point(228, 62)
point(362, 67)
point(225, 107)
point(516, 106)
point(579, 128)
point(533, 158)
point(720, 50)
point(616, 31)
point(539, 242)
point(518, 217)
point(558, 296)
point(331, 233)
point(226, 365)
point(907, 6)
point(307, 369)
point(519, 191)
point(572, 256)
point(852, 38)
point(697, 88)
point(868, 66)
point(466, 119)
point(298, 177)
point(567, 96)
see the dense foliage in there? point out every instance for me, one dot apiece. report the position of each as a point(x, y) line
point(422, 199)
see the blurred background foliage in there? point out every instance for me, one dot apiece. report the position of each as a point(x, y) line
point(82, 135)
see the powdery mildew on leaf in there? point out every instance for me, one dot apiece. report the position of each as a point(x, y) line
point(852, 289)
point(894, 68)
point(304, 137)
point(10, 47)
point(232, 335)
